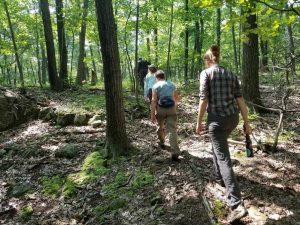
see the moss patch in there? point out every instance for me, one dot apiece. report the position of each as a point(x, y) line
point(25, 212)
point(92, 168)
point(55, 186)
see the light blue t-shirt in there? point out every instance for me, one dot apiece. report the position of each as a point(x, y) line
point(149, 81)
point(164, 89)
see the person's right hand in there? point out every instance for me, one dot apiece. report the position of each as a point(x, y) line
point(247, 128)
point(199, 128)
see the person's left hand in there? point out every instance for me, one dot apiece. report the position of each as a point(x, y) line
point(199, 128)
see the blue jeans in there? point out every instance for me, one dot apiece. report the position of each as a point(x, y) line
point(219, 130)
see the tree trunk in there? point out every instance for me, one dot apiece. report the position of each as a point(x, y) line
point(44, 64)
point(199, 32)
point(72, 56)
point(15, 45)
point(235, 55)
point(116, 138)
point(94, 71)
point(128, 59)
point(218, 28)
point(250, 66)
point(80, 66)
point(148, 39)
point(63, 53)
point(136, 51)
point(186, 42)
point(291, 51)
point(156, 32)
point(170, 39)
point(37, 52)
point(264, 55)
point(54, 81)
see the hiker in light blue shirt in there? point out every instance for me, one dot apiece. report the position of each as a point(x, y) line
point(165, 98)
point(149, 81)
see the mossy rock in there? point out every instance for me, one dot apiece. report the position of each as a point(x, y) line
point(97, 123)
point(68, 151)
point(47, 114)
point(80, 120)
point(95, 118)
point(65, 119)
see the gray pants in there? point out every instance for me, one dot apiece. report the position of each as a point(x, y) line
point(219, 130)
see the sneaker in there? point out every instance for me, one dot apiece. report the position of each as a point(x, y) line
point(175, 157)
point(220, 182)
point(237, 213)
point(162, 145)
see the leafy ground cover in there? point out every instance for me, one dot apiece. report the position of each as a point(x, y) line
point(57, 175)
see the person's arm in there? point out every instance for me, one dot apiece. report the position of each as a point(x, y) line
point(146, 88)
point(153, 106)
point(176, 96)
point(202, 108)
point(244, 111)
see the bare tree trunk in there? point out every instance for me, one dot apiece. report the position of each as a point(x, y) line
point(136, 50)
point(15, 45)
point(235, 55)
point(250, 65)
point(148, 39)
point(170, 40)
point(94, 74)
point(199, 42)
point(116, 138)
point(80, 66)
point(156, 32)
point(63, 53)
point(128, 59)
point(37, 52)
point(54, 81)
point(218, 28)
point(186, 42)
point(264, 55)
point(72, 57)
point(44, 64)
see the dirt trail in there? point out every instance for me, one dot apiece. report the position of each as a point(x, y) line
point(179, 194)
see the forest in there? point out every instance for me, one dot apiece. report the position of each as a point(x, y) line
point(77, 144)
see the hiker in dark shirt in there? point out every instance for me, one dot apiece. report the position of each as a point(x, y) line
point(220, 95)
point(142, 71)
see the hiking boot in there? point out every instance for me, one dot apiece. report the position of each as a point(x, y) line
point(220, 182)
point(162, 145)
point(175, 157)
point(237, 213)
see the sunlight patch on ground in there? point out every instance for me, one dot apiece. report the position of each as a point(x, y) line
point(34, 129)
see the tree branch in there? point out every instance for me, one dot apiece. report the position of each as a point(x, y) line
point(292, 9)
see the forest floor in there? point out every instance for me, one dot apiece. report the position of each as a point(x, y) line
point(38, 185)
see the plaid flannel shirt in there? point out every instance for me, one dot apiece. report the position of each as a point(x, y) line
point(221, 87)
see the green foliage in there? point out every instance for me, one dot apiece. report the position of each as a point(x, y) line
point(57, 185)
point(143, 178)
point(122, 188)
point(25, 212)
point(91, 169)
point(69, 189)
point(239, 154)
point(52, 186)
point(219, 209)
point(287, 135)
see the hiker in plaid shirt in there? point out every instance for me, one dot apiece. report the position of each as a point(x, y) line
point(220, 95)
